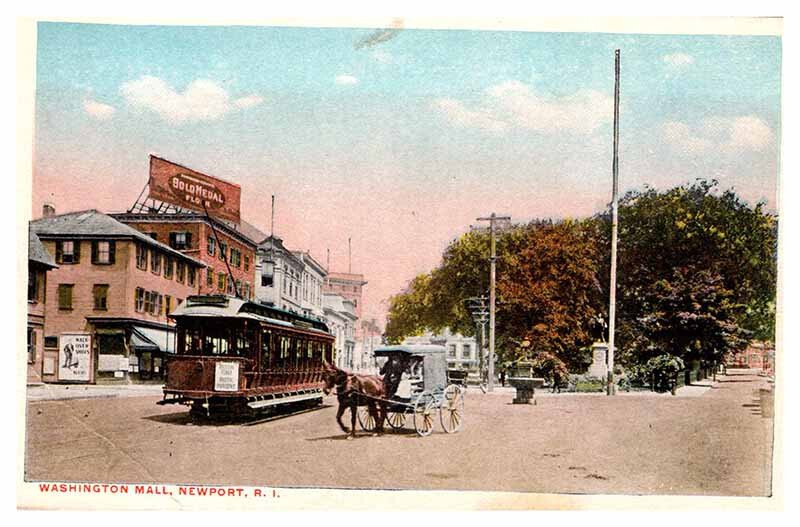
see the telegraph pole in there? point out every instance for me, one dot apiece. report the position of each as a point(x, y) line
point(492, 297)
point(610, 388)
point(479, 309)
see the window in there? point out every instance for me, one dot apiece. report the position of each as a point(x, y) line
point(68, 252)
point(180, 240)
point(266, 280)
point(167, 305)
point(236, 257)
point(152, 235)
point(239, 286)
point(33, 285)
point(141, 256)
point(169, 267)
point(65, 296)
point(246, 263)
point(221, 282)
point(156, 302)
point(246, 290)
point(155, 262)
point(211, 245)
point(223, 251)
point(31, 345)
point(451, 350)
point(100, 294)
point(148, 301)
point(180, 271)
point(190, 276)
point(210, 277)
point(139, 301)
point(466, 352)
point(51, 341)
point(103, 252)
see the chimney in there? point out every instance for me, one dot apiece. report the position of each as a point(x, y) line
point(48, 209)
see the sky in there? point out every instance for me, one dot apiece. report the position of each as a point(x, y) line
point(398, 139)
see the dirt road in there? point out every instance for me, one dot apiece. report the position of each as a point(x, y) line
point(718, 443)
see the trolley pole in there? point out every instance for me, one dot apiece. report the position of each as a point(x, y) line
point(492, 297)
point(612, 302)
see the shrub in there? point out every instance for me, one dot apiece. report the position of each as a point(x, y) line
point(664, 371)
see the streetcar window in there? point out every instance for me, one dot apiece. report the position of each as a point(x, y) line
point(266, 345)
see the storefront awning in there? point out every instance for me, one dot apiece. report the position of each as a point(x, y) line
point(153, 339)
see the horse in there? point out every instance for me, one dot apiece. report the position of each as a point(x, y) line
point(350, 391)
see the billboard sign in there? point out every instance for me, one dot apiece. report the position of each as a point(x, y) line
point(189, 189)
point(75, 357)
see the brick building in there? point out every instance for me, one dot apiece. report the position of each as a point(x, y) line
point(192, 234)
point(108, 300)
point(348, 285)
point(39, 263)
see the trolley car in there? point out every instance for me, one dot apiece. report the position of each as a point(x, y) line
point(236, 357)
point(424, 391)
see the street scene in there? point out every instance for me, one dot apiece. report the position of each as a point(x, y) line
point(403, 258)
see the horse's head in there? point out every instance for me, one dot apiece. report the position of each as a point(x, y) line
point(332, 376)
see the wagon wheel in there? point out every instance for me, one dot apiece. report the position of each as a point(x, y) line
point(451, 410)
point(423, 414)
point(396, 419)
point(366, 420)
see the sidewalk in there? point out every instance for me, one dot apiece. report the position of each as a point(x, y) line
point(50, 392)
point(696, 389)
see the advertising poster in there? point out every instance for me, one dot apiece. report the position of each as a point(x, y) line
point(75, 357)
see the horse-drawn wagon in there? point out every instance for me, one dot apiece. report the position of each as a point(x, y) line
point(423, 392)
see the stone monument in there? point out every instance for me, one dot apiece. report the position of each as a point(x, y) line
point(599, 366)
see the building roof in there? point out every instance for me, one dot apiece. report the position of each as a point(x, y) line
point(339, 304)
point(36, 251)
point(252, 232)
point(182, 217)
point(92, 224)
point(306, 257)
point(347, 277)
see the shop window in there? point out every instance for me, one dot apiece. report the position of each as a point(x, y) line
point(68, 252)
point(31, 345)
point(103, 252)
point(65, 296)
point(100, 294)
point(211, 246)
point(141, 256)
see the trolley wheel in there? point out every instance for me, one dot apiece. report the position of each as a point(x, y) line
point(451, 409)
point(423, 414)
point(366, 420)
point(396, 419)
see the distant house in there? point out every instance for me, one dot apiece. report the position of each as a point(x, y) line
point(39, 263)
point(462, 352)
point(757, 355)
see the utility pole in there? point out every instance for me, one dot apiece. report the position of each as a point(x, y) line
point(349, 256)
point(612, 303)
point(478, 307)
point(492, 276)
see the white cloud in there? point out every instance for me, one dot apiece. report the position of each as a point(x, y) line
point(345, 80)
point(203, 100)
point(98, 110)
point(678, 59)
point(730, 135)
point(515, 104)
point(459, 115)
point(248, 101)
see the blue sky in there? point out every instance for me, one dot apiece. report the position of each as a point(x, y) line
point(411, 138)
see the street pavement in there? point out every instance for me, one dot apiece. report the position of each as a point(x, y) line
point(708, 440)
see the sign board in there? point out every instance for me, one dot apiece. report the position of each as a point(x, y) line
point(75, 357)
point(189, 189)
point(226, 377)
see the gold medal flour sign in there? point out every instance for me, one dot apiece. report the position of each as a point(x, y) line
point(189, 189)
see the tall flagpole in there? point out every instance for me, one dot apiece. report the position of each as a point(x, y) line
point(612, 303)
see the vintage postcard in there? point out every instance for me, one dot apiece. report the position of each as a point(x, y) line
point(282, 264)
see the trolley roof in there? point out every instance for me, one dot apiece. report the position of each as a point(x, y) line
point(230, 307)
point(415, 349)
